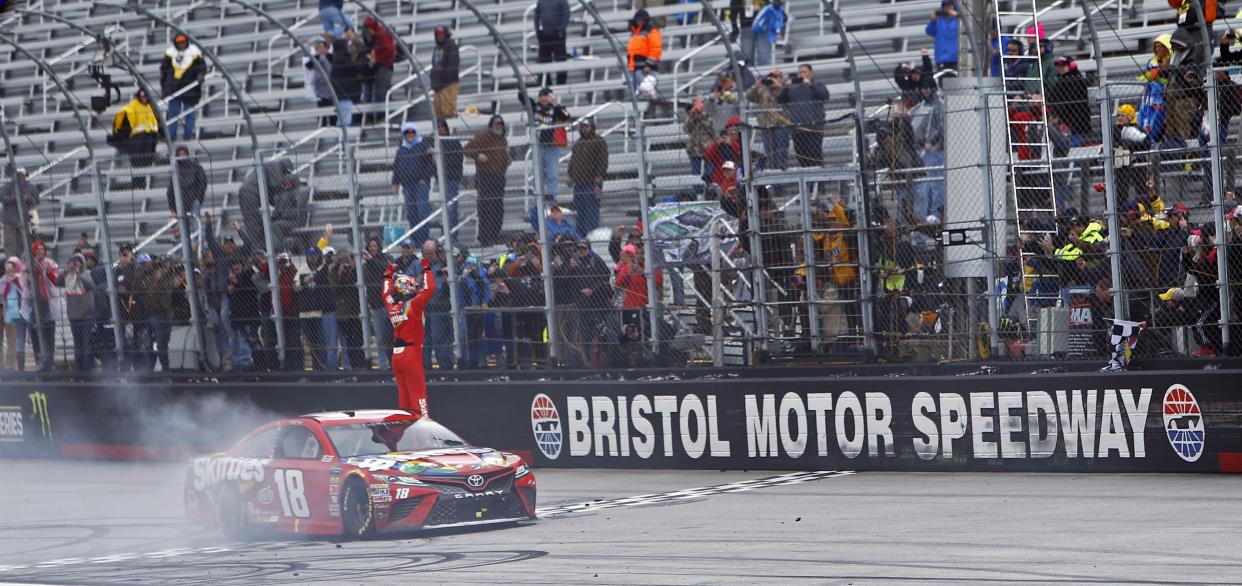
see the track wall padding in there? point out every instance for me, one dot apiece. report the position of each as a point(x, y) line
point(1151, 421)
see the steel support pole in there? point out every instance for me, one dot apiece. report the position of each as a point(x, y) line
point(1110, 206)
point(864, 203)
point(989, 227)
point(438, 156)
point(96, 187)
point(260, 175)
point(644, 185)
point(541, 217)
point(760, 289)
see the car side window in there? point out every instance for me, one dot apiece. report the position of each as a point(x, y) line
point(259, 444)
point(298, 443)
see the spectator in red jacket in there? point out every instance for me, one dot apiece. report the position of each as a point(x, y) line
point(632, 279)
point(724, 157)
point(381, 58)
point(43, 339)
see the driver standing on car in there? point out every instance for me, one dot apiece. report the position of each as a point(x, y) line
point(406, 296)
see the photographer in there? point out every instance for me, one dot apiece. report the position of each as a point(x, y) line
point(317, 308)
point(773, 121)
point(632, 278)
point(943, 27)
point(374, 263)
point(438, 314)
point(78, 288)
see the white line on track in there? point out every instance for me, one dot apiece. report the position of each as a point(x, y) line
point(546, 512)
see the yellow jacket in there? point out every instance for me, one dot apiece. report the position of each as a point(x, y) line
point(139, 118)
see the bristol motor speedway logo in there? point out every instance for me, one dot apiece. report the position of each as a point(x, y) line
point(1183, 422)
point(545, 422)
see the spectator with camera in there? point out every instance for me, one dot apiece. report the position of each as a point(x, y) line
point(343, 276)
point(631, 277)
point(805, 100)
point(475, 296)
point(77, 286)
point(375, 262)
point(699, 135)
point(943, 27)
point(774, 122)
point(316, 304)
point(439, 342)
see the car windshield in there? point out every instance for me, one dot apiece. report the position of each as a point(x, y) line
point(379, 437)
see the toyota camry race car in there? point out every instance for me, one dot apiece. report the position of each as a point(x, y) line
point(356, 473)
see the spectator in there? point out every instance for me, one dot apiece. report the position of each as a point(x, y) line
point(1229, 53)
point(1151, 114)
point(287, 198)
point(1189, 27)
point(318, 85)
point(381, 58)
point(286, 296)
point(1068, 99)
point(407, 262)
point(722, 104)
point(779, 250)
point(438, 315)
point(773, 121)
point(1017, 68)
point(909, 79)
point(632, 277)
point(316, 306)
point(699, 136)
point(102, 343)
point(10, 216)
point(475, 294)
point(182, 70)
point(412, 170)
point(152, 327)
point(588, 165)
point(724, 158)
point(927, 123)
point(1185, 103)
point(43, 338)
point(193, 181)
point(896, 151)
point(15, 290)
point(551, 29)
point(804, 99)
point(333, 19)
point(453, 155)
point(837, 250)
point(135, 132)
point(558, 226)
point(223, 255)
point(1047, 65)
point(342, 274)
point(349, 71)
point(742, 19)
point(445, 71)
point(943, 27)
point(243, 302)
point(767, 29)
point(645, 45)
point(1228, 105)
point(593, 294)
point(490, 151)
point(551, 117)
point(375, 262)
point(78, 307)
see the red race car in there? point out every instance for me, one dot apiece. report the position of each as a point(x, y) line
point(356, 473)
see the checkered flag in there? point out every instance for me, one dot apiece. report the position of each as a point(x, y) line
point(1125, 338)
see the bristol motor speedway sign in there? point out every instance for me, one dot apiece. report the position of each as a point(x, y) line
point(881, 425)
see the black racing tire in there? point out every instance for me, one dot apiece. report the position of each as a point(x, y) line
point(231, 514)
point(357, 511)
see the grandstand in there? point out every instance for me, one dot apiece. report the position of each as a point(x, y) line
point(881, 34)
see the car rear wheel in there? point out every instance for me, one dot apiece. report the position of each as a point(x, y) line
point(231, 514)
point(357, 512)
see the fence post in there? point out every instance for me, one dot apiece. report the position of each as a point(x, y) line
point(1218, 203)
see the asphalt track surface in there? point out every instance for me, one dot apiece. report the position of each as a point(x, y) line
point(108, 523)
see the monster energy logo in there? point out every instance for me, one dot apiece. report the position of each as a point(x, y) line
point(39, 411)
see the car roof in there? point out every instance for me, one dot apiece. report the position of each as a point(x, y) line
point(330, 418)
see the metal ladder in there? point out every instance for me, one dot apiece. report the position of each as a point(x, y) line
point(1030, 180)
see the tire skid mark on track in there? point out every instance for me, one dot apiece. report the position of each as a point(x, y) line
point(546, 512)
point(691, 493)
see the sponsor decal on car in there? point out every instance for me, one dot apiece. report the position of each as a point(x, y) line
point(1183, 423)
point(475, 481)
point(545, 422)
point(425, 467)
point(327, 459)
point(372, 463)
point(265, 496)
point(470, 495)
point(209, 470)
point(380, 493)
point(11, 427)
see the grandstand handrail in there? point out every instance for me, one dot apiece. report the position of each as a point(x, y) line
point(293, 51)
point(688, 56)
point(301, 141)
point(388, 113)
point(477, 68)
point(160, 232)
point(1017, 28)
point(58, 160)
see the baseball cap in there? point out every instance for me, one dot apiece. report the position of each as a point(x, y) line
point(547, 91)
point(312, 251)
point(1065, 60)
point(407, 243)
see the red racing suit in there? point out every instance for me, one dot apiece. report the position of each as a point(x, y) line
point(407, 352)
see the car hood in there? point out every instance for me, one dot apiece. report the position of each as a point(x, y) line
point(442, 462)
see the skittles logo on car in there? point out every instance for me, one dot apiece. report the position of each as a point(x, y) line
point(1183, 423)
point(426, 467)
point(545, 422)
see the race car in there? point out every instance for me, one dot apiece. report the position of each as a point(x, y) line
point(355, 473)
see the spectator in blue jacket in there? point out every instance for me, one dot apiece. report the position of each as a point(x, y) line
point(412, 170)
point(557, 224)
point(943, 27)
point(475, 292)
point(767, 27)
